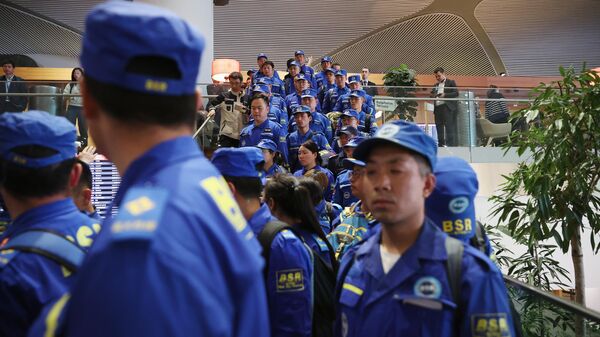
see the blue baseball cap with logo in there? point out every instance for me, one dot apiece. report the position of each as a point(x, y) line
point(326, 59)
point(300, 77)
point(354, 142)
point(341, 72)
point(267, 144)
point(451, 205)
point(349, 163)
point(299, 52)
point(239, 162)
point(354, 79)
point(347, 130)
point(121, 34)
point(261, 88)
point(295, 63)
point(308, 93)
point(329, 70)
point(251, 72)
point(301, 109)
point(404, 134)
point(36, 128)
point(262, 55)
point(350, 113)
point(357, 93)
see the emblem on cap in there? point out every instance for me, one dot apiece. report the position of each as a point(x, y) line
point(428, 287)
point(388, 131)
point(458, 205)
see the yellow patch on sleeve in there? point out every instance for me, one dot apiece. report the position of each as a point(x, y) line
point(490, 325)
point(289, 280)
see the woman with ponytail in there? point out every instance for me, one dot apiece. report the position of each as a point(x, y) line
point(310, 160)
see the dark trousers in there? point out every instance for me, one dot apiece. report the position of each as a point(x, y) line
point(445, 123)
point(75, 113)
point(225, 141)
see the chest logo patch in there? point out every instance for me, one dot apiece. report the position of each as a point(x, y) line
point(428, 287)
point(289, 280)
point(458, 205)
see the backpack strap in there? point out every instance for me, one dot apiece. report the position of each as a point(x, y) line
point(454, 250)
point(50, 245)
point(266, 237)
point(478, 240)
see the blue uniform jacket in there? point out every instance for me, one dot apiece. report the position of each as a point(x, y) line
point(170, 263)
point(323, 89)
point(328, 193)
point(289, 287)
point(278, 101)
point(316, 244)
point(274, 169)
point(29, 281)
point(319, 124)
point(291, 101)
point(342, 194)
point(295, 140)
point(343, 103)
point(331, 98)
point(414, 297)
point(252, 134)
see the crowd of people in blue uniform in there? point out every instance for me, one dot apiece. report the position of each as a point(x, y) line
point(369, 234)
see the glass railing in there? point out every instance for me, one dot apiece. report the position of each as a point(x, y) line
point(546, 315)
point(475, 135)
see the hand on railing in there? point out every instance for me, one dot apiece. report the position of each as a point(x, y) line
point(88, 154)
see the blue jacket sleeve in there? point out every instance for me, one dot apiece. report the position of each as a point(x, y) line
point(282, 143)
point(337, 194)
point(289, 287)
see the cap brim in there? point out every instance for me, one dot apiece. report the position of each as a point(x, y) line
point(349, 163)
point(363, 150)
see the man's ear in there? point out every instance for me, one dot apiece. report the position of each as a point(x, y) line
point(86, 194)
point(75, 175)
point(90, 105)
point(232, 187)
point(430, 181)
point(271, 204)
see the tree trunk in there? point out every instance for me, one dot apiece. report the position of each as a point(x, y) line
point(577, 256)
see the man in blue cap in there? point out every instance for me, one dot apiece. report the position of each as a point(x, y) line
point(290, 302)
point(301, 58)
point(275, 98)
point(327, 84)
point(179, 258)
point(344, 101)
point(344, 135)
point(275, 114)
point(427, 292)
point(261, 58)
point(340, 89)
point(39, 174)
point(366, 118)
point(451, 205)
point(342, 194)
point(270, 151)
point(262, 127)
point(320, 77)
point(320, 123)
point(268, 70)
point(301, 83)
point(302, 117)
point(293, 70)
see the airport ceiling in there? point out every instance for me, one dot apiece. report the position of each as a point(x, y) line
point(466, 37)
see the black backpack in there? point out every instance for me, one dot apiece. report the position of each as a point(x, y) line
point(323, 280)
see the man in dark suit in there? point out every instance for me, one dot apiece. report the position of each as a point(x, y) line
point(367, 85)
point(9, 83)
point(445, 111)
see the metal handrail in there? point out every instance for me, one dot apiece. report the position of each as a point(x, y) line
point(571, 306)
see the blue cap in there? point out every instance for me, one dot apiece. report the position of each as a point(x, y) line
point(350, 113)
point(349, 163)
point(262, 88)
point(295, 63)
point(404, 134)
point(326, 59)
point(301, 109)
point(308, 93)
point(329, 70)
point(341, 72)
point(357, 93)
point(300, 77)
point(299, 52)
point(36, 128)
point(119, 32)
point(267, 144)
point(265, 80)
point(262, 55)
point(238, 162)
point(347, 130)
point(453, 198)
point(251, 71)
point(354, 142)
point(354, 79)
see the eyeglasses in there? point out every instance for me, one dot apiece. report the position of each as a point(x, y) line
point(355, 174)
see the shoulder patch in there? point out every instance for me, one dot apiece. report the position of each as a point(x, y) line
point(289, 280)
point(6, 256)
point(493, 324)
point(140, 213)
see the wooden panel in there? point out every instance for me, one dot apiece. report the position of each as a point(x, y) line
point(44, 74)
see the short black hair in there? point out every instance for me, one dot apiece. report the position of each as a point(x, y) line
point(259, 96)
point(9, 61)
point(268, 62)
point(86, 178)
point(247, 187)
point(438, 70)
point(135, 107)
point(236, 75)
point(24, 182)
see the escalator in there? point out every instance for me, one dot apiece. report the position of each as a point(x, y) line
point(545, 315)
